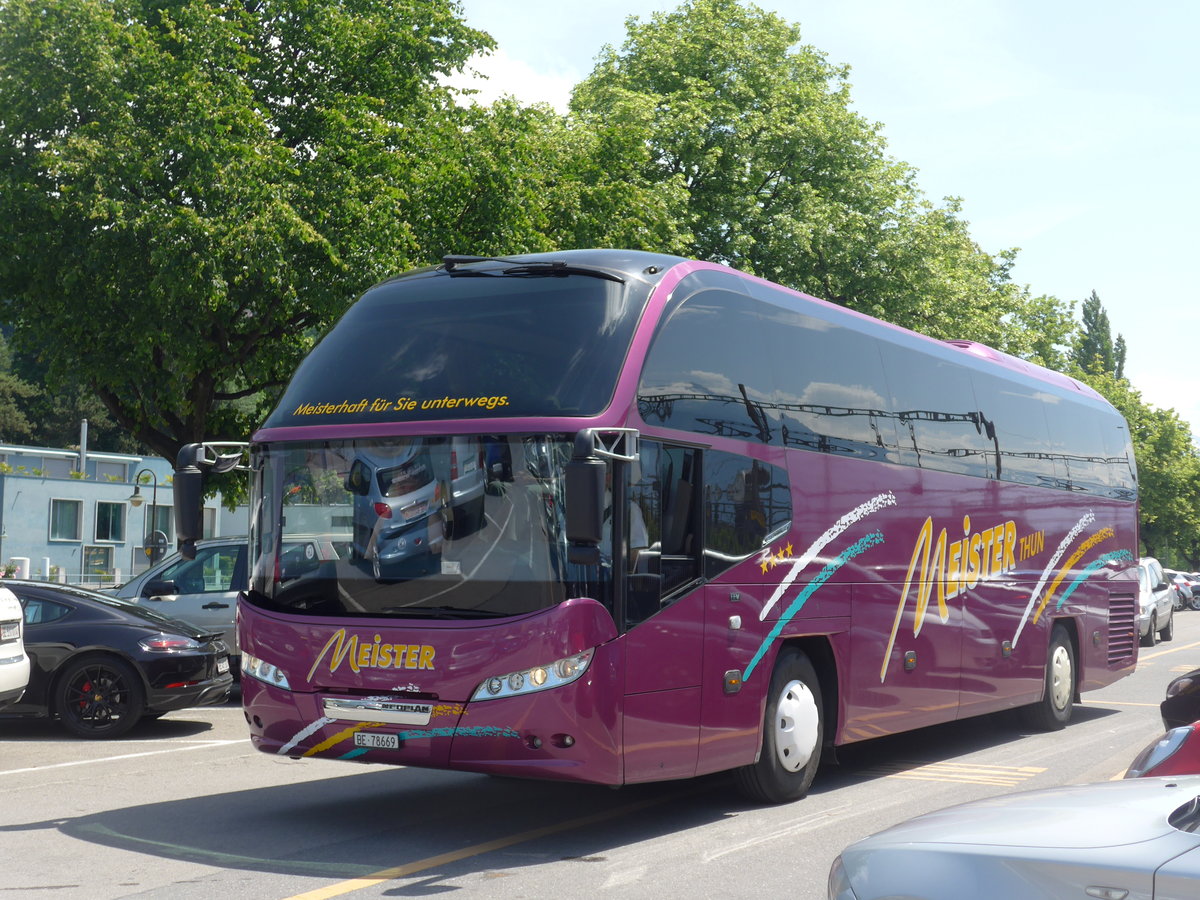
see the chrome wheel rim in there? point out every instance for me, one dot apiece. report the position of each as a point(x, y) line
point(797, 726)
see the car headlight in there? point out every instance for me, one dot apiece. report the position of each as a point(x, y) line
point(265, 672)
point(1159, 752)
point(536, 678)
point(839, 884)
point(1180, 685)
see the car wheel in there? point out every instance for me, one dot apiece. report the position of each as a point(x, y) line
point(1194, 603)
point(1167, 632)
point(99, 697)
point(1151, 636)
point(793, 734)
point(1053, 711)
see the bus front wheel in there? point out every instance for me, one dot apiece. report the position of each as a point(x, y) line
point(793, 733)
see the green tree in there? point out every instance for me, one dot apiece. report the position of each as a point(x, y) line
point(1040, 329)
point(1168, 470)
point(190, 190)
point(14, 393)
point(779, 177)
point(1094, 349)
point(513, 179)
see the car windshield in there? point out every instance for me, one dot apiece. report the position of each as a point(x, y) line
point(463, 526)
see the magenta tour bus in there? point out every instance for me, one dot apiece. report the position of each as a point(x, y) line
point(722, 526)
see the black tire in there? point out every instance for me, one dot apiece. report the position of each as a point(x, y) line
point(1151, 637)
point(1053, 711)
point(99, 697)
point(793, 734)
point(1194, 603)
point(1167, 632)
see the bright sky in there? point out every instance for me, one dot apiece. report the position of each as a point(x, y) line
point(1069, 128)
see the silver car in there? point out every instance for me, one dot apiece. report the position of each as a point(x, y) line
point(1118, 840)
point(202, 591)
point(1156, 605)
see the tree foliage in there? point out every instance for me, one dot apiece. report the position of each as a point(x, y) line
point(1095, 350)
point(1168, 471)
point(778, 176)
point(190, 190)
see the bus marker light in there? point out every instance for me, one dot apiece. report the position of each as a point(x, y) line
point(910, 660)
point(733, 681)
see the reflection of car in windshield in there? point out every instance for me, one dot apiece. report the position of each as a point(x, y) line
point(398, 510)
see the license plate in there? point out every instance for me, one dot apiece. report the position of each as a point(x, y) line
point(222, 665)
point(10, 631)
point(376, 740)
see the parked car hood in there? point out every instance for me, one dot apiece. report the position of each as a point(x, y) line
point(1089, 816)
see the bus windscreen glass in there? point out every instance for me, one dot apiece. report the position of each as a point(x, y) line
point(452, 347)
point(455, 527)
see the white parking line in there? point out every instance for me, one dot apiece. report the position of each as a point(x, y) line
point(92, 762)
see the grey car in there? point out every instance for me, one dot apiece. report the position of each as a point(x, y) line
point(1118, 840)
point(202, 591)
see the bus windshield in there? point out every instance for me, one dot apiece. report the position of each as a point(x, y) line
point(451, 346)
point(441, 527)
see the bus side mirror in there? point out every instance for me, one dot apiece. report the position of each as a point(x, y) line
point(188, 489)
point(585, 504)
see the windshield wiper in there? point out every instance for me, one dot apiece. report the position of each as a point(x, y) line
point(537, 268)
point(442, 612)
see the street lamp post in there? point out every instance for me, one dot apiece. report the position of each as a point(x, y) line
point(153, 543)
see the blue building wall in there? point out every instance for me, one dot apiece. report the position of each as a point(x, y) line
point(46, 493)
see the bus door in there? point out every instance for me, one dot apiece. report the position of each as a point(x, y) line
point(664, 615)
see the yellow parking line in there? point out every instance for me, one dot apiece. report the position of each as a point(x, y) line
point(355, 884)
point(1004, 776)
point(1156, 655)
point(1100, 703)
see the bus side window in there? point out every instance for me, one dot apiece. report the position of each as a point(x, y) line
point(662, 493)
point(747, 504)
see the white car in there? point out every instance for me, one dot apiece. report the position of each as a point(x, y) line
point(1118, 840)
point(14, 663)
point(1156, 603)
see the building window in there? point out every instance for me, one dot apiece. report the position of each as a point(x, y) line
point(66, 520)
point(160, 520)
point(210, 522)
point(109, 471)
point(97, 563)
point(110, 521)
point(57, 468)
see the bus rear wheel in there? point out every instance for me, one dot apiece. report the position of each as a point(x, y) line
point(793, 734)
point(1053, 711)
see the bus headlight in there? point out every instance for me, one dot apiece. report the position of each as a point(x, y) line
point(537, 678)
point(264, 672)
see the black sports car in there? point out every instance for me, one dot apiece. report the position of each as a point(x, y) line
point(99, 664)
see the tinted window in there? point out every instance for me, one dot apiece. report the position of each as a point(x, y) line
point(447, 347)
point(940, 423)
point(1078, 441)
point(708, 370)
point(1118, 449)
point(830, 392)
point(663, 493)
point(747, 503)
point(39, 611)
point(1016, 415)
